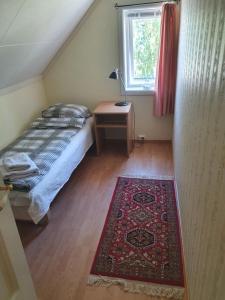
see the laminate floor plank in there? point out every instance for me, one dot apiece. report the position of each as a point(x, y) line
point(61, 253)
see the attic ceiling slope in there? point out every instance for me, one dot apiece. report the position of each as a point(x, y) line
point(31, 33)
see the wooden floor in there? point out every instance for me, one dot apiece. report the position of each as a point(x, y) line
point(60, 255)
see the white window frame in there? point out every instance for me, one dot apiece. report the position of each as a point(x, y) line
point(125, 38)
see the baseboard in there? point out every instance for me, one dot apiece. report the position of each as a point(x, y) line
point(152, 141)
point(115, 140)
point(182, 241)
point(140, 141)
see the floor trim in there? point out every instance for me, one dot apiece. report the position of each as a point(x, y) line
point(182, 240)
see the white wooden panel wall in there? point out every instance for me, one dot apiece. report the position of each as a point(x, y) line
point(199, 145)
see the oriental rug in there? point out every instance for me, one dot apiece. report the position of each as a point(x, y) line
point(140, 246)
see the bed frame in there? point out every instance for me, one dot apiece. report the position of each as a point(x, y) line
point(21, 214)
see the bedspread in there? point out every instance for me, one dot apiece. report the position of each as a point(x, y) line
point(43, 147)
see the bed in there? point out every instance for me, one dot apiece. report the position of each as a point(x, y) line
point(34, 204)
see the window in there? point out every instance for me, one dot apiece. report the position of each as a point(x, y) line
point(140, 47)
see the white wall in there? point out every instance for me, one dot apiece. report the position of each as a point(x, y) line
point(19, 105)
point(79, 71)
point(199, 145)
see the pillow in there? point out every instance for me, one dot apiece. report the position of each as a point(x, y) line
point(61, 110)
point(58, 123)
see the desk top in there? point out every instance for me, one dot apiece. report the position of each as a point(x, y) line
point(109, 107)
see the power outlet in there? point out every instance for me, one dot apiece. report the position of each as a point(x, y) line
point(141, 137)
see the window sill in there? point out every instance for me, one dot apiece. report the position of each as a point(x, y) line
point(139, 93)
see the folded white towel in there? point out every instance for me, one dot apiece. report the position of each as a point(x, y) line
point(17, 162)
point(31, 171)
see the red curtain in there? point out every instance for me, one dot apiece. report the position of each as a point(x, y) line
point(167, 63)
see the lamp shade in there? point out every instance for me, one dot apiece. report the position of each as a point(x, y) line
point(114, 74)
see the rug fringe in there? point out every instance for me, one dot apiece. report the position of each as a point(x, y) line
point(148, 177)
point(137, 287)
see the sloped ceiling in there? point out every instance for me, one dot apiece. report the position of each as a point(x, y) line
point(31, 32)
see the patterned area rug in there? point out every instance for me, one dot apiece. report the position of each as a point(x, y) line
point(140, 246)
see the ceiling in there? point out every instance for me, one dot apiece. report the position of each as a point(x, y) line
point(31, 32)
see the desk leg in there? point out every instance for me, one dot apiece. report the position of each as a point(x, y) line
point(98, 139)
point(129, 133)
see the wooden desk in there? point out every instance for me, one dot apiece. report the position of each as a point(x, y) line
point(107, 115)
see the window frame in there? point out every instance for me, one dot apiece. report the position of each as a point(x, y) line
point(124, 67)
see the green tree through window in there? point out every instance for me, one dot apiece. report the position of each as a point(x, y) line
point(146, 40)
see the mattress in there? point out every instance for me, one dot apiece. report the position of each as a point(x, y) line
point(38, 200)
